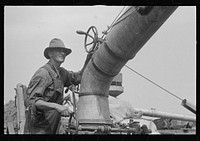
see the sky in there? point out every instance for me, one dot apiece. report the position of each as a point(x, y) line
point(168, 58)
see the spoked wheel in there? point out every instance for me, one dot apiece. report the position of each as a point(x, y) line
point(89, 47)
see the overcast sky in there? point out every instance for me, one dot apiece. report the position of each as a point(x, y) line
point(168, 58)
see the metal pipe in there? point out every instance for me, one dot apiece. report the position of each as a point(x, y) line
point(154, 113)
point(104, 129)
point(127, 36)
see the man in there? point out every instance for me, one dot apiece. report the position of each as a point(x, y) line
point(45, 90)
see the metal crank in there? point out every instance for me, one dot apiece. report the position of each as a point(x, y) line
point(92, 46)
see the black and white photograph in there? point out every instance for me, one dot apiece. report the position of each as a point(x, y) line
point(125, 70)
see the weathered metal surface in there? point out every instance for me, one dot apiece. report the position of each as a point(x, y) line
point(109, 130)
point(20, 108)
point(124, 40)
point(179, 132)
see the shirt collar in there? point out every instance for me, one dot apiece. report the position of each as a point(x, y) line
point(57, 72)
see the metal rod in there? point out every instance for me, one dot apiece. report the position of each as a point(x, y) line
point(189, 106)
point(103, 128)
point(154, 113)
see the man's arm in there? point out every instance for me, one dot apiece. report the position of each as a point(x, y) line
point(36, 90)
point(75, 77)
point(43, 105)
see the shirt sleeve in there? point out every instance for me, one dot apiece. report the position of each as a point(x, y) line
point(37, 86)
point(71, 77)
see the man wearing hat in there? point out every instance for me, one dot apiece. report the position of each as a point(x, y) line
point(45, 90)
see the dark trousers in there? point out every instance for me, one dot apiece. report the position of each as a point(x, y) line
point(47, 123)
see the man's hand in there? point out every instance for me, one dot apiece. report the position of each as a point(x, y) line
point(65, 111)
point(66, 99)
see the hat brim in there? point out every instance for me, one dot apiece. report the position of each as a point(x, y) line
point(66, 50)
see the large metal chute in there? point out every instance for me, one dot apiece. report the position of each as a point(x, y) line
point(127, 36)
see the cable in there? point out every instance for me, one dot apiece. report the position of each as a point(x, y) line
point(153, 83)
point(120, 18)
point(117, 16)
point(113, 21)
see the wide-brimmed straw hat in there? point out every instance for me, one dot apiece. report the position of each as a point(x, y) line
point(56, 44)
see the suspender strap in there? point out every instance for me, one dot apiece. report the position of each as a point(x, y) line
point(49, 70)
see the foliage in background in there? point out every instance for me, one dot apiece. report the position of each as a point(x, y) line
point(10, 113)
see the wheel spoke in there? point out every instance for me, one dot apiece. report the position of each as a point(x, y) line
point(93, 31)
point(89, 43)
point(95, 38)
point(91, 36)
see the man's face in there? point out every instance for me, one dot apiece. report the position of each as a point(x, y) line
point(58, 55)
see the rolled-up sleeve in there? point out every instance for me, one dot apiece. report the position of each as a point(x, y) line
point(37, 86)
point(71, 77)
